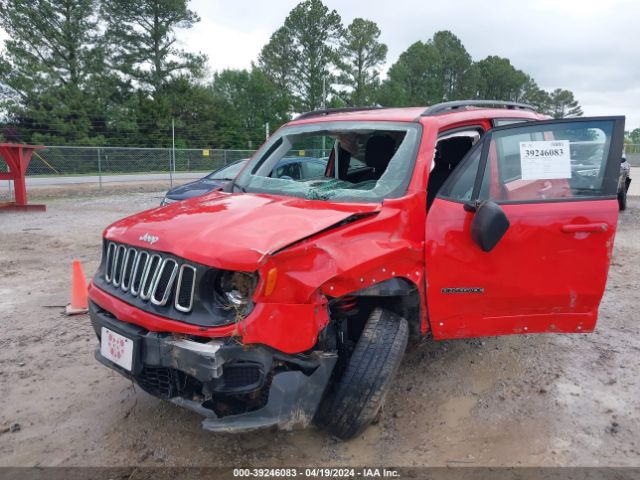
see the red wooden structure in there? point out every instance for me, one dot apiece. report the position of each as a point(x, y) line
point(18, 156)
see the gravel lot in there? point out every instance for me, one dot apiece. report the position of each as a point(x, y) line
point(519, 400)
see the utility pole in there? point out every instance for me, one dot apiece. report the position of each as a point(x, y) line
point(324, 93)
point(99, 168)
point(266, 131)
point(172, 160)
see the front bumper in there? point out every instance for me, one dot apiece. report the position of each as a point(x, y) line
point(236, 387)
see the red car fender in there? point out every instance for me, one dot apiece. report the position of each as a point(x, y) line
point(352, 257)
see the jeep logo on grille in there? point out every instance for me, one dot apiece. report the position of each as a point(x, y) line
point(150, 239)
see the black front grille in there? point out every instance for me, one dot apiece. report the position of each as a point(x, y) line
point(158, 381)
point(163, 284)
point(165, 277)
point(239, 375)
point(150, 276)
point(162, 287)
point(128, 264)
point(186, 284)
point(138, 271)
point(168, 383)
point(117, 264)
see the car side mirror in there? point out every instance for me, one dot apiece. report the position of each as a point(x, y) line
point(489, 225)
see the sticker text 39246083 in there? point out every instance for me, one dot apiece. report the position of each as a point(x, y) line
point(545, 160)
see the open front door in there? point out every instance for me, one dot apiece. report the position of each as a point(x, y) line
point(520, 236)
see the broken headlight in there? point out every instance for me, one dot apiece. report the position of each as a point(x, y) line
point(235, 289)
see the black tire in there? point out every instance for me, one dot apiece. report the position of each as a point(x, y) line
point(622, 199)
point(360, 392)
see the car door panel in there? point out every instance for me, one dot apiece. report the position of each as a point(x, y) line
point(546, 274)
point(548, 281)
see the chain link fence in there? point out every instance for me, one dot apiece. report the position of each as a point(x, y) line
point(69, 166)
point(633, 154)
point(53, 161)
point(57, 165)
point(101, 161)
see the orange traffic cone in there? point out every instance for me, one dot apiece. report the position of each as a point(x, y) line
point(79, 300)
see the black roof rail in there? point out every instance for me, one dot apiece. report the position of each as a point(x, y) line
point(329, 111)
point(446, 106)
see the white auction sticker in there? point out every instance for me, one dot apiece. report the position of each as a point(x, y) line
point(545, 160)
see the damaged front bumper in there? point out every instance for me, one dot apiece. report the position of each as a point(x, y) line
point(236, 387)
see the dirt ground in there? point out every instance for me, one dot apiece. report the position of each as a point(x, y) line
point(500, 401)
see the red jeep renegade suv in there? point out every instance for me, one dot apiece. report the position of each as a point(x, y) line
point(278, 302)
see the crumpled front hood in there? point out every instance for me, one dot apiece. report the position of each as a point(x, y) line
point(231, 231)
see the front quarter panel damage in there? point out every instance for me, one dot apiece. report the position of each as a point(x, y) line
point(341, 261)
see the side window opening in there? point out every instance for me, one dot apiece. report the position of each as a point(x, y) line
point(460, 188)
point(450, 150)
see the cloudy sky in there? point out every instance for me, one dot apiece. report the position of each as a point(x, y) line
point(591, 47)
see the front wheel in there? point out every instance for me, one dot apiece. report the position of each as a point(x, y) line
point(366, 380)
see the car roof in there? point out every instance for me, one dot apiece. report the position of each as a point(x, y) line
point(415, 114)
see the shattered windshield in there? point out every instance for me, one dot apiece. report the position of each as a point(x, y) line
point(365, 161)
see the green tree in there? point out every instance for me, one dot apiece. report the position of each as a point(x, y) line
point(634, 136)
point(276, 62)
point(428, 73)
point(52, 66)
point(276, 59)
point(496, 79)
point(452, 66)
point(411, 79)
point(562, 104)
point(156, 81)
point(201, 119)
point(534, 95)
point(142, 38)
point(361, 55)
point(250, 98)
point(309, 37)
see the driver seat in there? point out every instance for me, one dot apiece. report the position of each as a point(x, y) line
point(377, 155)
point(449, 152)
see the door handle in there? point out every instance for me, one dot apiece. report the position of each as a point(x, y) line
point(585, 227)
